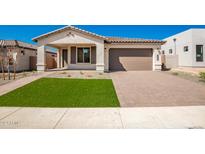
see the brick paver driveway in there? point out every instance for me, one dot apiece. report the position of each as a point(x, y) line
point(147, 88)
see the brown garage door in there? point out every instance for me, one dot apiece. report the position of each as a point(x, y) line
point(130, 59)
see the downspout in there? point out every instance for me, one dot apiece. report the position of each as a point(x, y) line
point(175, 48)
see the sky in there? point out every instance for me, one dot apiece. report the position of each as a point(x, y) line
point(25, 33)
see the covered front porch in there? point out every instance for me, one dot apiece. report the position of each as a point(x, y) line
point(76, 49)
point(76, 56)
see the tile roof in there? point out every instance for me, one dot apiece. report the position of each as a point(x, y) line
point(106, 39)
point(131, 40)
point(15, 43)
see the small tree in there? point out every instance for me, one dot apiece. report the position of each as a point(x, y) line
point(7, 58)
point(2, 56)
point(202, 75)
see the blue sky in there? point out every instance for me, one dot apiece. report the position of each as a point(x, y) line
point(27, 32)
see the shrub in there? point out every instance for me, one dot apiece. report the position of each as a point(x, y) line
point(24, 74)
point(175, 73)
point(63, 73)
point(89, 76)
point(202, 75)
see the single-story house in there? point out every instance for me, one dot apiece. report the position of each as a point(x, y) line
point(25, 52)
point(26, 55)
point(80, 49)
point(185, 49)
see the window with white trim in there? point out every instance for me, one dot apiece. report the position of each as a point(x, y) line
point(157, 57)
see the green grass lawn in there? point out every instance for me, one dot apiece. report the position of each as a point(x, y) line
point(53, 92)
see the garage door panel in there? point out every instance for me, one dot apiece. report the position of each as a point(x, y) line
point(130, 59)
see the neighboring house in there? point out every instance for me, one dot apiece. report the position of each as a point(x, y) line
point(24, 52)
point(80, 49)
point(26, 55)
point(185, 49)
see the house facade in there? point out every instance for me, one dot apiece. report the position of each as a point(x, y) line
point(80, 49)
point(185, 49)
point(26, 58)
point(24, 52)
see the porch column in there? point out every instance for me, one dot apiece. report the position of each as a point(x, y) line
point(41, 61)
point(107, 59)
point(69, 55)
point(58, 58)
point(157, 64)
point(100, 65)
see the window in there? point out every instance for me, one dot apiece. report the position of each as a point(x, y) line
point(157, 57)
point(170, 51)
point(83, 55)
point(199, 53)
point(163, 52)
point(22, 52)
point(186, 48)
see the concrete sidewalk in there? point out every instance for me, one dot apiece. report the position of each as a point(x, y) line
point(21, 82)
point(141, 117)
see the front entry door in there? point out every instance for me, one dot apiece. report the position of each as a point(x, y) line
point(65, 57)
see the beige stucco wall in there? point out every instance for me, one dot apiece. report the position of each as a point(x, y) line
point(23, 61)
point(41, 60)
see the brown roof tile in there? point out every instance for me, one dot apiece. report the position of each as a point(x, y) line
point(15, 43)
point(131, 40)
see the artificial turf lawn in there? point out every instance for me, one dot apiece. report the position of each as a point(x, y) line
point(53, 92)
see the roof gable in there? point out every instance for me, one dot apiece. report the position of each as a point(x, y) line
point(68, 28)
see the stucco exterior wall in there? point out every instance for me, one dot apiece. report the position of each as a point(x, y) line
point(190, 38)
point(182, 39)
point(22, 60)
point(41, 61)
point(171, 61)
point(198, 38)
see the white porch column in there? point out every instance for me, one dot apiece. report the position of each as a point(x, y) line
point(157, 64)
point(106, 59)
point(58, 58)
point(100, 65)
point(41, 61)
point(69, 55)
